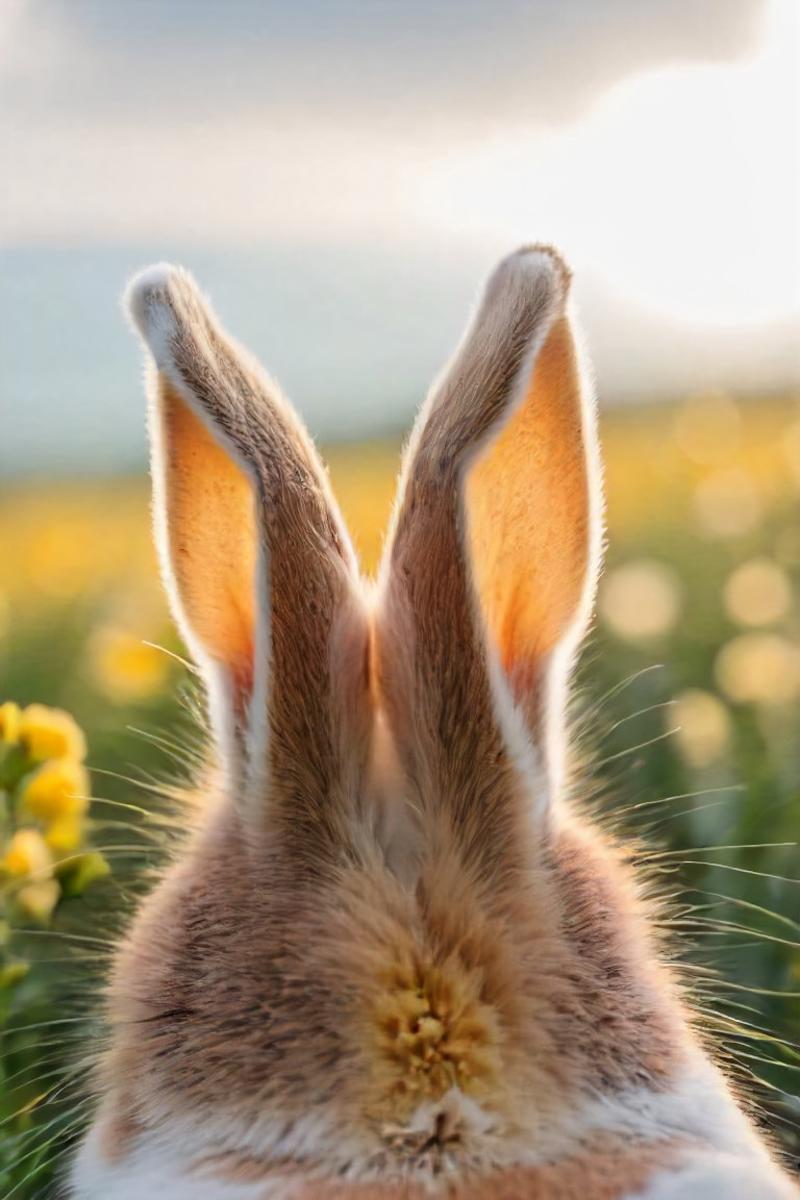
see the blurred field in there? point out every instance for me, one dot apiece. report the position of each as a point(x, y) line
point(688, 715)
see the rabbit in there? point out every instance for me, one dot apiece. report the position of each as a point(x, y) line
point(392, 961)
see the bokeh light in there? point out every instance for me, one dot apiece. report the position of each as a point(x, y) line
point(702, 727)
point(640, 600)
point(758, 592)
point(727, 503)
point(759, 668)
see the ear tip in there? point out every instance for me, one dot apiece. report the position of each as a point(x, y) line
point(149, 302)
point(536, 269)
point(546, 255)
point(148, 288)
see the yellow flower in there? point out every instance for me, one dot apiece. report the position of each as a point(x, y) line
point(77, 874)
point(58, 556)
point(124, 667)
point(60, 788)
point(38, 900)
point(26, 854)
point(64, 835)
point(9, 722)
point(13, 973)
point(50, 733)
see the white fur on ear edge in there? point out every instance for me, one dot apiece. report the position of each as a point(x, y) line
point(147, 302)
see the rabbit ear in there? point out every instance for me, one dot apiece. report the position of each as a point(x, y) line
point(489, 572)
point(261, 573)
point(533, 502)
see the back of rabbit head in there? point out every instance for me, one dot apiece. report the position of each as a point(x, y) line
point(390, 952)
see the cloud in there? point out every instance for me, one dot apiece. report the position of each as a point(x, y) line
point(473, 62)
point(343, 173)
point(309, 119)
point(679, 187)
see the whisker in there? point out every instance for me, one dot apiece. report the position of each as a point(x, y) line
point(744, 870)
point(173, 654)
point(615, 690)
point(640, 712)
point(75, 1124)
point(659, 737)
point(750, 906)
point(734, 846)
point(733, 787)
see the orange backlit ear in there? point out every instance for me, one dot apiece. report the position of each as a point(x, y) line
point(205, 510)
point(533, 517)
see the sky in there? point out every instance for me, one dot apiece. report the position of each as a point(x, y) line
point(341, 175)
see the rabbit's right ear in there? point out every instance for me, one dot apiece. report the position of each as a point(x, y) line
point(489, 574)
point(260, 571)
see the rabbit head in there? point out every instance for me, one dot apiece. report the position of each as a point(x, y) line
point(391, 958)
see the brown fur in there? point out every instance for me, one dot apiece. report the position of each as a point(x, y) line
point(308, 957)
point(233, 962)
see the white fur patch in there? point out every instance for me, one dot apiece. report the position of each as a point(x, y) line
point(152, 1170)
point(719, 1177)
point(698, 1109)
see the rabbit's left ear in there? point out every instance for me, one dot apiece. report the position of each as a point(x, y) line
point(260, 570)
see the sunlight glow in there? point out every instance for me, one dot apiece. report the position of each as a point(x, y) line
point(679, 187)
